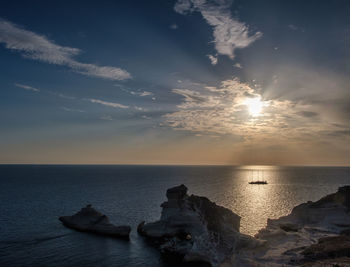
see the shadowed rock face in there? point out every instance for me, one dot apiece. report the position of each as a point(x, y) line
point(328, 247)
point(90, 220)
point(195, 229)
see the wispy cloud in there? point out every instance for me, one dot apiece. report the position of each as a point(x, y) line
point(107, 118)
point(224, 110)
point(229, 33)
point(91, 100)
point(62, 95)
point(144, 93)
point(38, 47)
point(146, 117)
point(174, 26)
point(27, 87)
point(106, 103)
point(213, 59)
point(238, 65)
point(139, 93)
point(72, 110)
point(292, 27)
point(139, 108)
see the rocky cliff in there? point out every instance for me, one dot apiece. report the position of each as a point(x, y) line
point(196, 229)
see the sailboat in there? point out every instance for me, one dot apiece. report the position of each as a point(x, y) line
point(258, 181)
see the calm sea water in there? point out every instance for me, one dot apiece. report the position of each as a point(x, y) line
point(32, 197)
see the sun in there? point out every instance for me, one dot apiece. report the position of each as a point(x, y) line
point(254, 105)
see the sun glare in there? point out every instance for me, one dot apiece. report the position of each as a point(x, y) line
point(254, 105)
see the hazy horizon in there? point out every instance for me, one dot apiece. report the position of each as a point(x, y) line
point(165, 164)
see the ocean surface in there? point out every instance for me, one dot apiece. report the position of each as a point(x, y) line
point(32, 197)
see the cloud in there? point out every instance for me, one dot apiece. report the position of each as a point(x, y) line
point(39, 47)
point(213, 60)
point(225, 110)
point(139, 93)
point(107, 118)
point(146, 117)
point(27, 87)
point(195, 99)
point(238, 65)
point(30, 88)
point(106, 103)
point(72, 110)
point(338, 133)
point(292, 27)
point(229, 33)
point(144, 93)
point(174, 26)
point(140, 108)
point(308, 114)
point(62, 95)
point(91, 100)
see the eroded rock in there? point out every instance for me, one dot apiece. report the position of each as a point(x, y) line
point(195, 229)
point(90, 220)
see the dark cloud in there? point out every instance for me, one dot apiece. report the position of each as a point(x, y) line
point(307, 114)
point(337, 133)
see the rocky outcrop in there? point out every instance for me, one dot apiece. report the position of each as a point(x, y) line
point(201, 233)
point(314, 233)
point(90, 220)
point(195, 229)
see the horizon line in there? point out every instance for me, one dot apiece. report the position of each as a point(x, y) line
point(169, 164)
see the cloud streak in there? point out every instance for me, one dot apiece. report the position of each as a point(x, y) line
point(136, 93)
point(27, 87)
point(72, 110)
point(229, 34)
point(108, 104)
point(143, 93)
point(91, 100)
point(38, 47)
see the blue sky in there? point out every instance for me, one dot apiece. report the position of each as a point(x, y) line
point(175, 82)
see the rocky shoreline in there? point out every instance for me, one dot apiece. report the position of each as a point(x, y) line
point(199, 232)
point(313, 234)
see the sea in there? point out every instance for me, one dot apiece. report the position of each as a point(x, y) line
point(32, 197)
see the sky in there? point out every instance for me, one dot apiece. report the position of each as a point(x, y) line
point(175, 82)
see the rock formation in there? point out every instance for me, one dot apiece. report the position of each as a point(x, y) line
point(195, 229)
point(90, 220)
point(315, 233)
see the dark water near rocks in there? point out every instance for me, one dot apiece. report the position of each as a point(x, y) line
point(32, 198)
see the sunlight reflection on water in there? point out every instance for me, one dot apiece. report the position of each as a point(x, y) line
point(255, 203)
